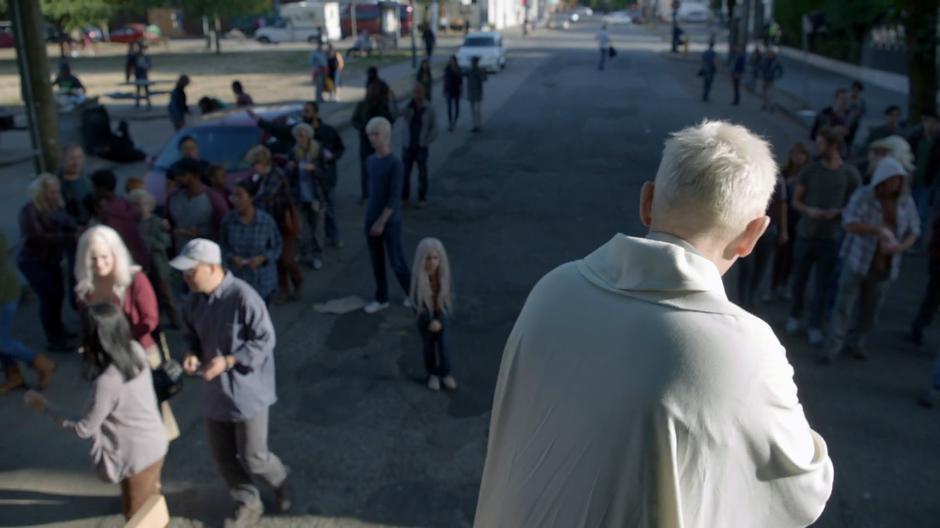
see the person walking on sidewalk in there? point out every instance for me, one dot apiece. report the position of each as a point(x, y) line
point(272, 194)
point(797, 158)
point(822, 191)
point(422, 131)
point(425, 78)
point(771, 72)
point(708, 70)
point(12, 350)
point(925, 143)
point(121, 417)
point(835, 117)
point(319, 70)
point(376, 104)
point(476, 77)
point(177, 108)
point(881, 223)
point(738, 69)
point(453, 87)
point(427, 35)
point(383, 214)
point(603, 45)
point(432, 297)
point(619, 400)
point(251, 243)
point(230, 343)
point(47, 233)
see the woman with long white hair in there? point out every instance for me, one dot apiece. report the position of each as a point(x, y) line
point(105, 272)
point(432, 297)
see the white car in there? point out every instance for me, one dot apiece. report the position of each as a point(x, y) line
point(618, 17)
point(284, 32)
point(692, 13)
point(488, 46)
point(584, 12)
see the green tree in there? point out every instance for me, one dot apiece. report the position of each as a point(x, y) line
point(73, 14)
point(920, 26)
point(216, 10)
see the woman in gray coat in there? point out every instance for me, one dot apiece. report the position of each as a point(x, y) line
point(121, 418)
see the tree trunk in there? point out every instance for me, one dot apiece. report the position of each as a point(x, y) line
point(41, 110)
point(921, 28)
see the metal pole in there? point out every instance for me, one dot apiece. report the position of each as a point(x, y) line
point(414, 45)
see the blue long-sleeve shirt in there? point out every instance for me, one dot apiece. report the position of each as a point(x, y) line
point(233, 321)
point(386, 181)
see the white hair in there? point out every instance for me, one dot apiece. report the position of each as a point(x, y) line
point(37, 193)
point(124, 268)
point(421, 295)
point(381, 126)
point(714, 176)
point(143, 199)
point(898, 148)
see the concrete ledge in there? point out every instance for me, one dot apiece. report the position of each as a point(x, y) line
point(882, 79)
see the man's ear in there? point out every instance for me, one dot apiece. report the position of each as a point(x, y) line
point(646, 203)
point(744, 244)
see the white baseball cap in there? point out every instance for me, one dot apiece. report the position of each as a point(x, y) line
point(197, 251)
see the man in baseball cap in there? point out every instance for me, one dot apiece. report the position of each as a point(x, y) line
point(230, 337)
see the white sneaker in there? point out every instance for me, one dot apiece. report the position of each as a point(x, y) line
point(450, 383)
point(407, 303)
point(374, 307)
point(434, 383)
point(793, 326)
point(816, 337)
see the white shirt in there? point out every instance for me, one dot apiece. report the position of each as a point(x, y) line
point(602, 38)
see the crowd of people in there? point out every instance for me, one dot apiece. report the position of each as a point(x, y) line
point(239, 249)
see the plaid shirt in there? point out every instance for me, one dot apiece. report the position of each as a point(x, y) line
point(859, 250)
point(260, 237)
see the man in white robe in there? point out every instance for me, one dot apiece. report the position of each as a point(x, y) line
point(632, 393)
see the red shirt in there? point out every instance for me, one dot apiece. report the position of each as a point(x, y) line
point(141, 309)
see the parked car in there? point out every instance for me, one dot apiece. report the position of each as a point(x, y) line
point(559, 21)
point(224, 138)
point(133, 33)
point(6, 35)
point(583, 12)
point(94, 33)
point(283, 32)
point(618, 18)
point(488, 46)
point(694, 13)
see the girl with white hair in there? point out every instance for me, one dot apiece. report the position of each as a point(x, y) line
point(105, 272)
point(432, 297)
point(305, 168)
point(881, 223)
point(47, 233)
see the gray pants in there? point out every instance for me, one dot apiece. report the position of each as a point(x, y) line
point(475, 109)
point(240, 450)
point(858, 301)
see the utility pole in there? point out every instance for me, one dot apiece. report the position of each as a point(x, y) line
point(352, 18)
point(414, 45)
point(41, 112)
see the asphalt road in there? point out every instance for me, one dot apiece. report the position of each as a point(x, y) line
point(555, 173)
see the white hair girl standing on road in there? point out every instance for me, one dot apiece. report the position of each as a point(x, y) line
point(432, 296)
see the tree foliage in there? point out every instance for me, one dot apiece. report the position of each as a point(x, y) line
point(72, 14)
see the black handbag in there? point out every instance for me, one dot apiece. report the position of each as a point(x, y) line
point(611, 52)
point(168, 377)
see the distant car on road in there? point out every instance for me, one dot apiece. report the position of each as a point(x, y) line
point(618, 18)
point(223, 138)
point(284, 32)
point(488, 46)
point(583, 12)
point(693, 13)
point(6, 35)
point(133, 33)
point(559, 21)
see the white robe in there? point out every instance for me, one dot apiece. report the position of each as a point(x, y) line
point(633, 393)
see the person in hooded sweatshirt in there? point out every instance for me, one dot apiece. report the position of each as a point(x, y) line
point(632, 392)
point(881, 223)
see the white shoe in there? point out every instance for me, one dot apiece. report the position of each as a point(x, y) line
point(374, 307)
point(816, 337)
point(434, 383)
point(793, 326)
point(449, 383)
point(407, 303)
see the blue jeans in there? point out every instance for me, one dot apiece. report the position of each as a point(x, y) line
point(823, 255)
point(10, 349)
point(45, 277)
point(390, 241)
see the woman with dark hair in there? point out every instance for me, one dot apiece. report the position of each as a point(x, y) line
point(178, 107)
point(425, 77)
point(121, 417)
point(251, 242)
